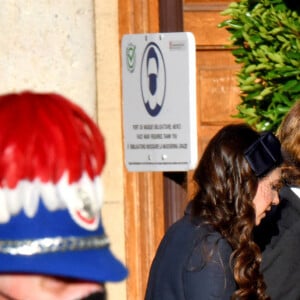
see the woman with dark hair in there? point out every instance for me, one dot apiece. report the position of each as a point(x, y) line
point(210, 253)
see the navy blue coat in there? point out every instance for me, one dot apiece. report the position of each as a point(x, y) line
point(281, 257)
point(184, 269)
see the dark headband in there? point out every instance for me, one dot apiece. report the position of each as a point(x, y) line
point(264, 154)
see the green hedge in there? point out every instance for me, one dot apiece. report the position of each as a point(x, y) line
point(265, 36)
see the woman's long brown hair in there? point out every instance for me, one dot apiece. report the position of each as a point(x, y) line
point(226, 186)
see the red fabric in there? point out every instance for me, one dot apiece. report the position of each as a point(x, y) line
point(44, 135)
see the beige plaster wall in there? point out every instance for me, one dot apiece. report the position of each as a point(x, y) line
point(49, 45)
point(110, 119)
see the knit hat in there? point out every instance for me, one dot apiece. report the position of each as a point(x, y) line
point(51, 159)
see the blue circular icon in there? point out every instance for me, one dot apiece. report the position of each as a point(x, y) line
point(153, 79)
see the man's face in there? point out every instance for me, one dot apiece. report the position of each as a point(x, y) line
point(37, 287)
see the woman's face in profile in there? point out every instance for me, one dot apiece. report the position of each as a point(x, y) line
point(266, 194)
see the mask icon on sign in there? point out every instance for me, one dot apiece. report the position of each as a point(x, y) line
point(153, 79)
point(152, 70)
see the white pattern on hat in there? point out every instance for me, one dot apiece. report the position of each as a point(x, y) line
point(63, 195)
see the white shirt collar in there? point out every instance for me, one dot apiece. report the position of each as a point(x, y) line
point(296, 190)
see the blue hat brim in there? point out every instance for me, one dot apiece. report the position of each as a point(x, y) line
point(97, 265)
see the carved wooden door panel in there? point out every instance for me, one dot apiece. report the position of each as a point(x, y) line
point(217, 91)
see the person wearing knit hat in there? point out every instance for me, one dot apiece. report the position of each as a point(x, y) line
point(52, 241)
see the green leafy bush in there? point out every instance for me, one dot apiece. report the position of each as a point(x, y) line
point(265, 35)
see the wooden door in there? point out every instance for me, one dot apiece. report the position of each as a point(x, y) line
point(217, 91)
point(152, 201)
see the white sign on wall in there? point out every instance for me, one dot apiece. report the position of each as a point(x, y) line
point(159, 101)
